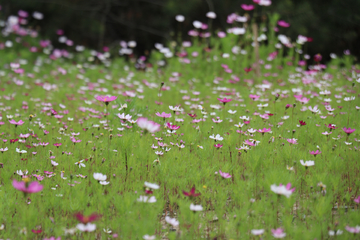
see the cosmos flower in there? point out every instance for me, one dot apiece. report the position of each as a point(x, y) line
point(257, 231)
point(217, 137)
point(26, 187)
point(80, 163)
point(12, 121)
point(99, 176)
point(148, 125)
point(348, 131)
point(282, 190)
point(278, 233)
point(89, 227)
point(191, 193)
point(353, 230)
point(106, 99)
point(196, 208)
point(307, 163)
point(224, 175)
point(292, 141)
point(172, 221)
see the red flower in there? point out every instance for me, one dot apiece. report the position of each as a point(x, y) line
point(302, 123)
point(86, 219)
point(13, 140)
point(36, 231)
point(247, 69)
point(191, 193)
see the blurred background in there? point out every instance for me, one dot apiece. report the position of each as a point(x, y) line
point(334, 25)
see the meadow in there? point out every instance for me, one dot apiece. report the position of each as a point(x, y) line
point(220, 137)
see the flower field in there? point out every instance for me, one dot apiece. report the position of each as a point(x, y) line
point(217, 137)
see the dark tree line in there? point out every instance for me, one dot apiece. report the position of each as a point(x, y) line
point(333, 24)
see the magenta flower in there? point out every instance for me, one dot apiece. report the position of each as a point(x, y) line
point(282, 23)
point(32, 187)
point(357, 199)
point(224, 100)
point(224, 175)
point(348, 131)
point(315, 152)
point(106, 99)
point(163, 115)
point(172, 127)
point(12, 121)
point(218, 145)
point(87, 219)
point(247, 7)
point(191, 193)
point(331, 126)
point(247, 142)
point(278, 233)
point(148, 125)
point(264, 130)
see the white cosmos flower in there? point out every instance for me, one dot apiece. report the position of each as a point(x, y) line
point(89, 227)
point(232, 112)
point(148, 237)
point(21, 173)
point(80, 163)
point(151, 185)
point(338, 232)
point(147, 199)
point(257, 231)
point(172, 221)
point(307, 163)
point(99, 176)
point(217, 137)
point(104, 182)
point(107, 230)
point(281, 190)
point(246, 118)
point(20, 151)
point(196, 207)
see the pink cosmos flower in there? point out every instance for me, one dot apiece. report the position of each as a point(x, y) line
point(282, 23)
point(148, 125)
point(247, 142)
point(348, 131)
point(264, 130)
point(224, 175)
point(172, 127)
point(106, 99)
point(353, 229)
point(52, 238)
point(32, 187)
point(224, 100)
point(278, 233)
point(218, 145)
point(315, 152)
point(357, 199)
point(163, 115)
point(247, 7)
point(254, 97)
point(12, 121)
point(292, 140)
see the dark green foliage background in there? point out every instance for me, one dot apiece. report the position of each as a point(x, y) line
point(333, 24)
